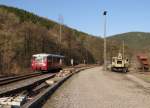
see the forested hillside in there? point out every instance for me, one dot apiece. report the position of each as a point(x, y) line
point(137, 41)
point(23, 34)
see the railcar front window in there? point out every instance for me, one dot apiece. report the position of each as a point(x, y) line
point(119, 62)
point(39, 59)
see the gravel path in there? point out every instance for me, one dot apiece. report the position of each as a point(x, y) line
point(94, 88)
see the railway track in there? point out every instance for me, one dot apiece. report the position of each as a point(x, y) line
point(12, 94)
point(14, 85)
point(2, 76)
point(7, 80)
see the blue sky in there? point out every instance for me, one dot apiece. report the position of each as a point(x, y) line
point(86, 15)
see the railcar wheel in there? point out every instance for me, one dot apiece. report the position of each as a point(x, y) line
point(125, 70)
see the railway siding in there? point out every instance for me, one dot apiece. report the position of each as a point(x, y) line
point(23, 84)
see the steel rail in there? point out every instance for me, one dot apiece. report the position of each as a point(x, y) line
point(8, 80)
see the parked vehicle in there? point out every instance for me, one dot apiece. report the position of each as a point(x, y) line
point(46, 62)
point(119, 63)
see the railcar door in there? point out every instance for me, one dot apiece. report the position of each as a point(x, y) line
point(39, 61)
point(60, 61)
point(33, 63)
point(57, 62)
point(49, 62)
point(54, 62)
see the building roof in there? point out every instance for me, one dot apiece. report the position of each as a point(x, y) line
point(46, 55)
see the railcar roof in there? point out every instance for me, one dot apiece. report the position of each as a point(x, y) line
point(46, 55)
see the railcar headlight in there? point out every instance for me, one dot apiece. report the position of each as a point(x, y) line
point(43, 64)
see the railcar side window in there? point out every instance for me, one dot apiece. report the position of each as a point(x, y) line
point(55, 60)
point(58, 60)
point(49, 59)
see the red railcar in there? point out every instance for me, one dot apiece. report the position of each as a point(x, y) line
point(46, 62)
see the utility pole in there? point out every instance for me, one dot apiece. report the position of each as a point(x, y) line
point(123, 55)
point(86, 51)
point(105, 51)
point(60, 32)
point(123, 51)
